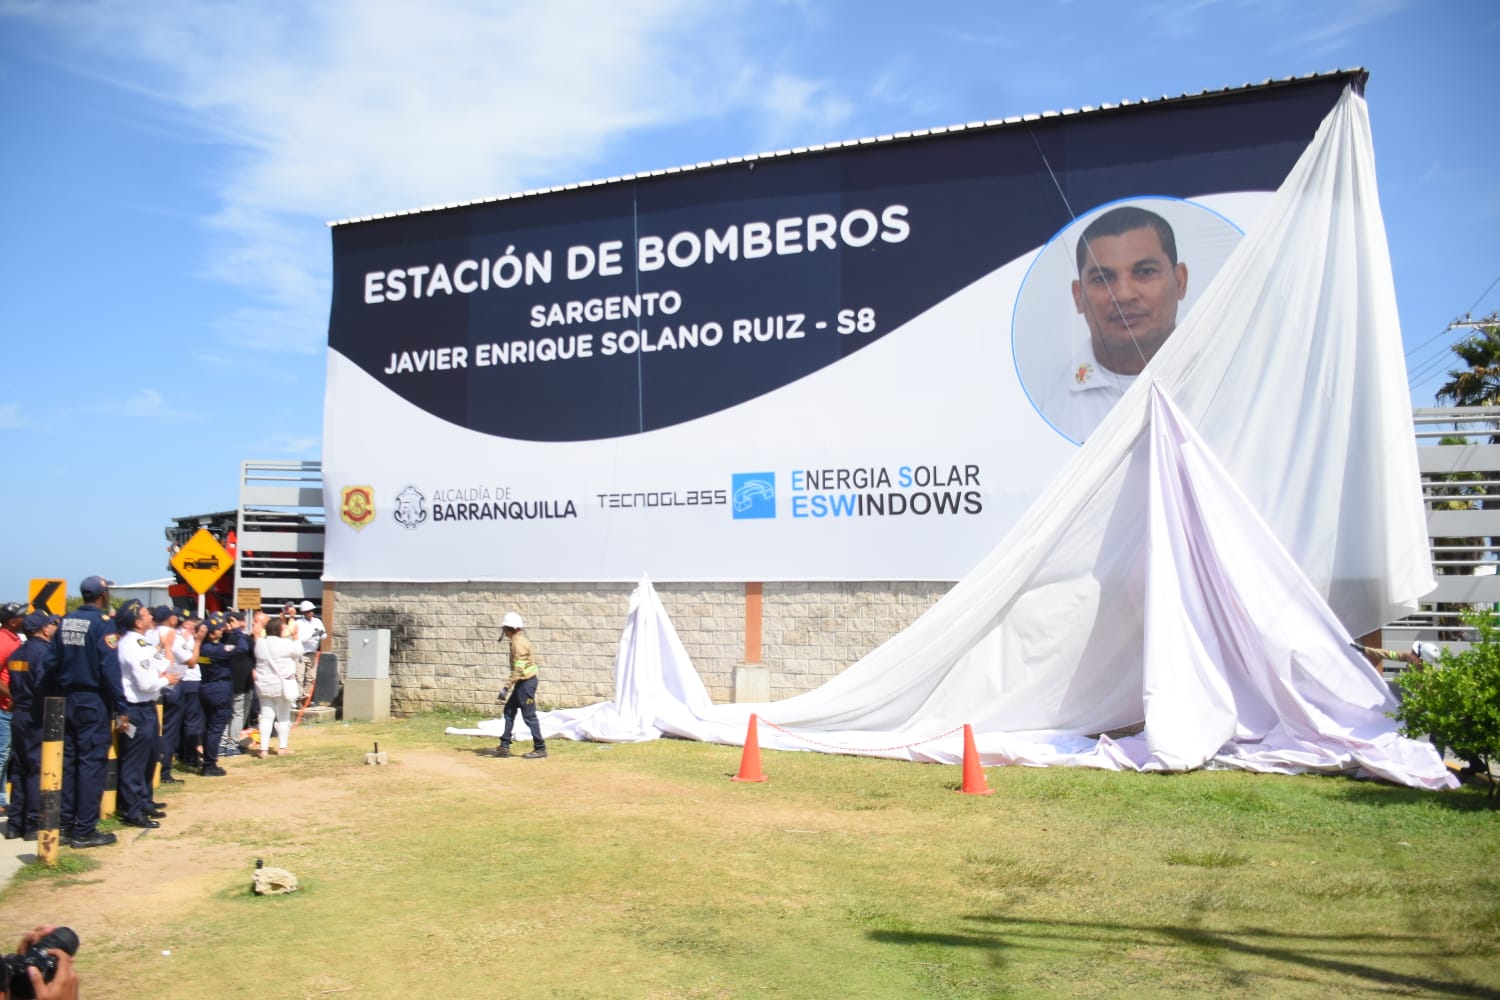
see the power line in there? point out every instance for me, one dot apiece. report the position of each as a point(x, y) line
point(1482, 295)
point(1436, 362)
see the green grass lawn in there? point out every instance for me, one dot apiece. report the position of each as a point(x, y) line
point(642, 871)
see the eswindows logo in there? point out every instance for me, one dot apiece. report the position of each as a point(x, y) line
point(753, 494)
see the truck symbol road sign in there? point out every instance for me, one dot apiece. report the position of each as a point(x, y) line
point(201, 561)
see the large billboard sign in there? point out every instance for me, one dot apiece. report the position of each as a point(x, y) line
point(854, 363)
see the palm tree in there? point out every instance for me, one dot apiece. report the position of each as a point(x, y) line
point(1478, 384)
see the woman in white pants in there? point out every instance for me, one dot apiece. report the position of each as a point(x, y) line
point(276, 660)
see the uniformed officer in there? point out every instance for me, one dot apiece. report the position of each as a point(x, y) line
point(88, 676)
point(241, 685)
point(164, 637)
point(188, 745)
point(143, 675)
point(28, 673)
point(217, 694)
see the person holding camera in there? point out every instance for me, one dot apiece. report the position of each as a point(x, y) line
point(42, 966)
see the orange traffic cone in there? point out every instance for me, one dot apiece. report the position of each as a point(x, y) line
point(750, 759)
point(974, 783)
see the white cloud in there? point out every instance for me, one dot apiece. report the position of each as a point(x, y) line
point(1309, 29)
point(1333, 24)
point(795, 107)
point(995, 38)
point(355, 107)
point(10, 416)
point(1446, 174)
point(145, 403)
point(290, 444)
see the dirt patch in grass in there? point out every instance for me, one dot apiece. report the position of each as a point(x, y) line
point(150, 872)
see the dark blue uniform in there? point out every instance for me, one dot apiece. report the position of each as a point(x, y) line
point(217, 693)
point(88, 676)
point(174, 715)
point(190, 731)
point(28, 673)
point(143, 672)
point(171, 731)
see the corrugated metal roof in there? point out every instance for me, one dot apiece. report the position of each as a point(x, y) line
point(1358, 74)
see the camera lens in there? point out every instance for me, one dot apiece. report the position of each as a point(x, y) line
point(18, 982)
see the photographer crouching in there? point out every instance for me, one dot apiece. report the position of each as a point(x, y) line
point(42, 966)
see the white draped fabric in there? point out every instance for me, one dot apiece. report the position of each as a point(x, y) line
point(657, 690)
point(1198, 566)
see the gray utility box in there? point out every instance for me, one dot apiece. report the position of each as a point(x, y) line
point(367, 686)
point(369, 654)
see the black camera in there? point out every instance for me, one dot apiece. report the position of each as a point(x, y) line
point(17, 981)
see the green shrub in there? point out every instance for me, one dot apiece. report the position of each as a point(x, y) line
point(1457, 702)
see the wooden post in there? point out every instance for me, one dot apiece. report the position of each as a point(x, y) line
point(49, 812)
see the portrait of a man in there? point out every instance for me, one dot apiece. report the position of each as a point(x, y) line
point(1080, 341)
point(1128, 287)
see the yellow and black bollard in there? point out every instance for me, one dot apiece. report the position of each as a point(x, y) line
point(111, 775)
point(156, 771)
point(49, 813)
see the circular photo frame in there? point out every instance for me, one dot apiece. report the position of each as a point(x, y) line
point(1080, 334)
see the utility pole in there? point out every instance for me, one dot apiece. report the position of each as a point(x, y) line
point(1467, 323)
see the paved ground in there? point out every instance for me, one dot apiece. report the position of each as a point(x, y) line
point(15, 855)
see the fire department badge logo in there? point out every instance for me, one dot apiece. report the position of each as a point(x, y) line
point(358, 506)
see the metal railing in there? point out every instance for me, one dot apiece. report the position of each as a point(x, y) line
point(1461, 489)
point(280, 531)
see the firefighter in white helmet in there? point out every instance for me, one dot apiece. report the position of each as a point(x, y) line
point(519, 694)
point(1421, 653)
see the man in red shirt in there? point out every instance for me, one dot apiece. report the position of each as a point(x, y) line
point(10, 641)
point(10, 628)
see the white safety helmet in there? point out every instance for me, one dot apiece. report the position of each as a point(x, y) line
point(1427, 652)
point(512, 620)
point(306, 606)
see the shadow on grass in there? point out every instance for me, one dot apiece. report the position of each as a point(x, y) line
point(1471, 798)
point(1340, 954)
point(480, 751)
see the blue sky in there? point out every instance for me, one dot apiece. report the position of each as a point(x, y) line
point(169, 169)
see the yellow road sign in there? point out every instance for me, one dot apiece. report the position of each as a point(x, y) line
point(202, 560)
point(48, 595)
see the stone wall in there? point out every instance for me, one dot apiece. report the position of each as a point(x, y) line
point(445, 653)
